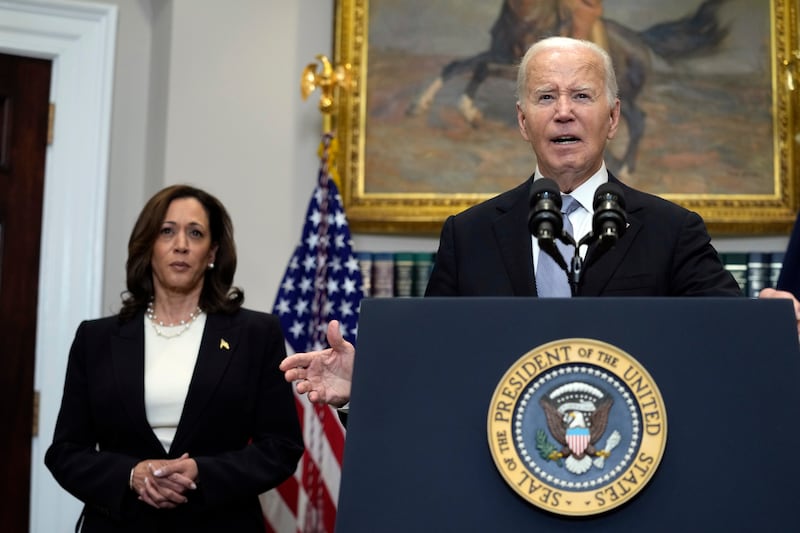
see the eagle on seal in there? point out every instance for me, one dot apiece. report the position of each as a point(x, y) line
point(577, 424)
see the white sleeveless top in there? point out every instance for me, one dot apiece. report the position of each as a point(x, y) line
point(168, 368)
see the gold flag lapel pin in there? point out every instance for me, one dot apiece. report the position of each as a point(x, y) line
point(223, 345)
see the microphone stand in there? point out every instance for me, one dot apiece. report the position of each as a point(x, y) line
point(575, 266)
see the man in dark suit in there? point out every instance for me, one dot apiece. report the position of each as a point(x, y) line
point(665, 251)
point(568, 110)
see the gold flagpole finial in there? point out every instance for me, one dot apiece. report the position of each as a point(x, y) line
point(327, 79)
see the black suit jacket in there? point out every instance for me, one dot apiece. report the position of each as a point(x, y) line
point(666, 251)
point(239, 422)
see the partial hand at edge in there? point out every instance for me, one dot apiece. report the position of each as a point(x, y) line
point(774, 293)
point(325, 375)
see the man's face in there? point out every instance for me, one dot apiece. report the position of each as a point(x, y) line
point(565, 114)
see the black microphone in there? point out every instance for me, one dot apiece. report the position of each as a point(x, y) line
point(610, 221)
point(544, 218)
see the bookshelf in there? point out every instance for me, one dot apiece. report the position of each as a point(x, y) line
point(395, 274)
point(753, 270)
point(405, 274)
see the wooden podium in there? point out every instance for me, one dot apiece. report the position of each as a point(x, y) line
point(417, 457)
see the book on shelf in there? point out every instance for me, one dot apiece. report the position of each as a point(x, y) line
point(394, 274)
point(758, 266)
point(753, 270)
point(403, 274)
point(776, 264)
point(365, 265)
point(382, 275)
point(423, 264)
point(736, 264)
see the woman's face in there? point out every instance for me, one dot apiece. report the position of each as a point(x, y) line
point(183, 249)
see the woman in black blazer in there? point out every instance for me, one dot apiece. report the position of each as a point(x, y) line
point(175, 415)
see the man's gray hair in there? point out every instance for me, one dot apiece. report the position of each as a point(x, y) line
point(553, 43)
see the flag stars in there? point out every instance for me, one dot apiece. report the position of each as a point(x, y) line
point(301, 307)
point(287, 285)
point(349, 286)
point(315, 217)
point(346, 308)
point(352, 264)
point(324, 242)
point(305, 285)
point(323, 279)
point(333, 286)
point(297, 329)
point(282, 307)
point(340, 219)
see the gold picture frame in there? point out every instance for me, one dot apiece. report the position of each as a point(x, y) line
point(750, 187)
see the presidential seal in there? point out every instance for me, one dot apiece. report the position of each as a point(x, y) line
point(577, 427)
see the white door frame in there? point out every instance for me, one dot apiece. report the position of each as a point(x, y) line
point(79, 38)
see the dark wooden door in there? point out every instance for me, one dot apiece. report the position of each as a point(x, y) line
point(24, 111)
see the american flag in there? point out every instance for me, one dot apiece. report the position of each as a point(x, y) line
point(322, 283)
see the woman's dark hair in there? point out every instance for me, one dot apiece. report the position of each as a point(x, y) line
point(218, 295)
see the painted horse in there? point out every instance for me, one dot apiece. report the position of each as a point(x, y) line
point(523, 22)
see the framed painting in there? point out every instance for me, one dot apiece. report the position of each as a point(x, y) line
point(429, 127)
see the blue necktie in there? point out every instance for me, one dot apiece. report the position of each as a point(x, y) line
point(551, 279)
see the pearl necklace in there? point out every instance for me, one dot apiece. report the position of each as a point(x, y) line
point(158, 324)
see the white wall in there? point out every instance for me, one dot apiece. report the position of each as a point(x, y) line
point(206, 92)
point(129, 137)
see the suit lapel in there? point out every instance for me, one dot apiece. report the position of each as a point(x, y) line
point(219, 343)
point(127, 355)
point(514, 240)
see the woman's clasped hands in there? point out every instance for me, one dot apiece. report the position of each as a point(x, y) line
point(163, 484)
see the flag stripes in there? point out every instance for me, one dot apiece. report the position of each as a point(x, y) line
point(306, 502)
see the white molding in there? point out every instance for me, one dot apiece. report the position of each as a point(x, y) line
point(79, 38)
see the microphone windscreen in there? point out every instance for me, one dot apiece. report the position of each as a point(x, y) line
point(545, 188)
point(609, 220)
point(544, 215)
point(609, 189)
